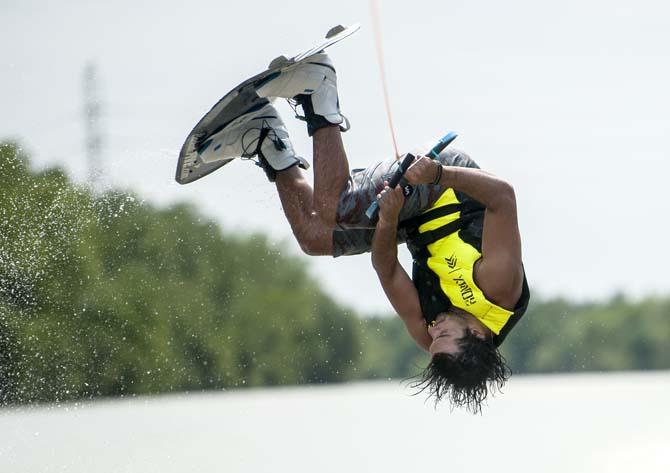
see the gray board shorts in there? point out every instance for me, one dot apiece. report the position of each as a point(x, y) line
point(354, 233)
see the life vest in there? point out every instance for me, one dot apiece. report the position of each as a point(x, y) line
point(445, 242)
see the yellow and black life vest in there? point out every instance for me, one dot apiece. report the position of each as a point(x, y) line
point(445, 242)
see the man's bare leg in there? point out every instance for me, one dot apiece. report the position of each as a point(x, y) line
point(331, 172)
point(312, 213)
point(297, 199)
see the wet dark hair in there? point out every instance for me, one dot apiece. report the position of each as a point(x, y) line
point(467, 377)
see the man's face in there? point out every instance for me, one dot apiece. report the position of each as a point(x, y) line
point(446, 332)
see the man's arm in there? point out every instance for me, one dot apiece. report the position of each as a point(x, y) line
point(499, 273)
point(395, 281)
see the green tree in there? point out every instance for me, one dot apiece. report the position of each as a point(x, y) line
point(105, 295)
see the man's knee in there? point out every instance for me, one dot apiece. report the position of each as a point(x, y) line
point(315, 244)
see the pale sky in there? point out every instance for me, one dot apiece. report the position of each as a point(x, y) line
point(567, 100)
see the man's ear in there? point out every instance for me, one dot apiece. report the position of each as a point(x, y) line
point(479, 333)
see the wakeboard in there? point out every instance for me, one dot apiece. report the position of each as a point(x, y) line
point(238, 101)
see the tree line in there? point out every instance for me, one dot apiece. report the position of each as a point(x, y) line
point(104, 295)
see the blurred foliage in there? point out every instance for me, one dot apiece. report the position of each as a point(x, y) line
point(553, 336)
point(101, 295)
point(618, 334)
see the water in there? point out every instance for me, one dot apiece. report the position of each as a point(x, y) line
point(566, 423)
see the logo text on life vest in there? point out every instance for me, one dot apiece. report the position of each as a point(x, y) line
point(466, 291)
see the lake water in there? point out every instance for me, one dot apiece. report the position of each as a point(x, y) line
point(560, 423)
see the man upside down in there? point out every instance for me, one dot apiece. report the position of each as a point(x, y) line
point(468, 288)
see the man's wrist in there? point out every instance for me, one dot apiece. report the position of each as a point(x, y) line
point(447, 178)
point(383, 222)
point(387, 222)
point(438, 174)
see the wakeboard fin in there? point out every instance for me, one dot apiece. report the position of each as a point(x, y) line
point(279, 62)
point(334, 31)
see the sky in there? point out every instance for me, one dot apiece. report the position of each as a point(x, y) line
point(567, 100)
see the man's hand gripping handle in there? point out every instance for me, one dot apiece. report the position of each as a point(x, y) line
point(407, 160)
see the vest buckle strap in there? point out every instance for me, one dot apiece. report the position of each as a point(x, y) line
point(416, 222)
point(431, 236)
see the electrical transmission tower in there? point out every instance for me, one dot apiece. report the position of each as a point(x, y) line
point(92, 125)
